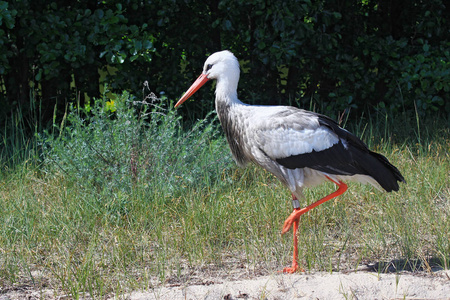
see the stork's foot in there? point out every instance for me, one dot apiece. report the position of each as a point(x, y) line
point(291, 270)
point(293, 218)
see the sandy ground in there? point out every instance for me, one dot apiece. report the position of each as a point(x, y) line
point(359, 285)
point(353, 285)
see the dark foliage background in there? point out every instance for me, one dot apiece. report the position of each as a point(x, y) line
point(324, 55)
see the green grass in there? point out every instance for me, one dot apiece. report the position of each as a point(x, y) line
point(127, 199)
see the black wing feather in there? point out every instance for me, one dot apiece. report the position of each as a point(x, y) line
point(350, 159)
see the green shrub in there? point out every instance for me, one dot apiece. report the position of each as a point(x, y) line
point(115, 144)
point(424, 79)
point(327, 55)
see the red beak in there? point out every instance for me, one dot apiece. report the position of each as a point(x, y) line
point(201, 80)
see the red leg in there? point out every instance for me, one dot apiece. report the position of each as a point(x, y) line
point(294, 267)
point(294, 218)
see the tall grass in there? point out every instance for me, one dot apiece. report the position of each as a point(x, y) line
point(122, 197)
point(16, 147)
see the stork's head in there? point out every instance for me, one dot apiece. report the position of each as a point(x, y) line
point(222, 66)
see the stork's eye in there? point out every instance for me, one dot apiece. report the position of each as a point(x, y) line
point(208, 67)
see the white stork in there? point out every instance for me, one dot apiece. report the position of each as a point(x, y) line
point(299, 147)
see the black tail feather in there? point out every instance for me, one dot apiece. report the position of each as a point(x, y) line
point(388, 182)
point(378, 167)
point(372, 163)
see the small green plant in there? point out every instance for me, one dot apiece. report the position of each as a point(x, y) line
point(117, 144)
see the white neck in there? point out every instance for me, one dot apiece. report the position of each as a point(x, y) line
point(226, 90)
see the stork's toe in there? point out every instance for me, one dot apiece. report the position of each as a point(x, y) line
point(294, 217)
